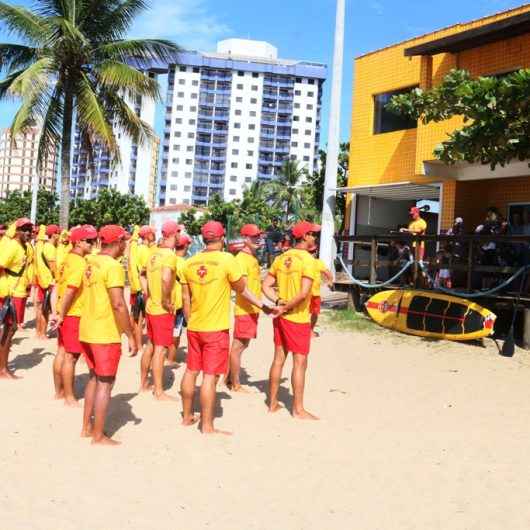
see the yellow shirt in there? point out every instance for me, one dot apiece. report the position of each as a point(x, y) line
point(208, 276)
point(13, 258)
point(30, 268)
point(62, 252)
point(144, 252)
point(289, 269)
point(22, 286)
point(71, 274)
point(98, 325)
point(132, 267)
point(250, 268)
point(159, 259)
point(177, 291)
point(48, 254)
point(320, 267)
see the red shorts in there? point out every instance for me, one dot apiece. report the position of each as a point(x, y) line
point(160, 329)
point(20, 308)
point(40, 293)
point(68, 335)
point(132, 299)
point(292, 336)
point(246, 326)
point(208, 351)
point(102, 358)
point(314, 307)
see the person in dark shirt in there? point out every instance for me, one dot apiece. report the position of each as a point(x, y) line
point(273, 239)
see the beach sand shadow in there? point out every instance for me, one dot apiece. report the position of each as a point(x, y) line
point(284, 394)
point(27, 361)
point(120, 413)
point(80, 383)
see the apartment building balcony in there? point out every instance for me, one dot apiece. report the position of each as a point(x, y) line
point(265, 176)
point(217, 185)
point(216, 77)
point(285, 97)
point(283, 136)
point(202, 128)
point(217, 171)
point(268, 121)
point(202, 157)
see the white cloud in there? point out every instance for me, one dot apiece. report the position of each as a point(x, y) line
point(186, 22)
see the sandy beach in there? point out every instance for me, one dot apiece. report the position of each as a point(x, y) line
point(413, 435)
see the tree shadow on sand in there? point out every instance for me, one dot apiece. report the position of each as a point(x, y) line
point(27, 361)
point(284, 395)
point(120, 413)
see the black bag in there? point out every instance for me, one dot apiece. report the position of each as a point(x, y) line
point(139, 306)
point(8, 319)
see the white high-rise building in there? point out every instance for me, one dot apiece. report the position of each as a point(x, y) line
point(234, 117)
point(136, 172)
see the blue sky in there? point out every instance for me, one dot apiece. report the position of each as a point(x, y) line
point(301, 29)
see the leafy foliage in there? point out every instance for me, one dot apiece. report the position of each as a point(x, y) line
point(18, 204)
point(75, 58)
point(495, 111)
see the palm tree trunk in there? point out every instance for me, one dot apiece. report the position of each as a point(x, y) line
point(66, 144)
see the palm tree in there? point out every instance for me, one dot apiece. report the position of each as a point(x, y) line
point(285, 190)
point(75, 60)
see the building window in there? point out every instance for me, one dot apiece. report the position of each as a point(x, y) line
point(307, 146)
point(252, 113)
point(237, 125)
point(251, 140)
point(189, 162)
point(294, 144)
point(253, 101)
point(309, 120)
point(239, 87)
point(178, 121)
point(176, 147)
point(250, 153)
point(187, 188)
point(307, 132)
point(233, 165)
point(386, 121)
point(310, 94)
point(178, 134)
point(173, 187)
point(311, 81)
point(235, 151)
point(236, 138)
point(233, 178)
point(240, 73)
point(180, 107)
point(248, 179)
point(238, 112)
point(309, 106)
point(298, 79)
point(192, 122)
point(255, 74)
point(172, 201)
point(191, 135)
point(306, 159)
point(182, 81)
point(175, 161)
point(186, 201)
point(194, 95)
point(295, 131)
point(296, 118)
point(232, 192)
point(195, 82)
point(193, 109)
point(196, 70)
point(249, 166)
point(297, 105)
point(182, 68)
point(180, 94)
point(297, 92)
point(189, 148)
point(254, 88)
point(187, 174)
point(239, 100)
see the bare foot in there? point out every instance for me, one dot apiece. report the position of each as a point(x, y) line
point(190, 421)
point(240, 389)
point(59, 395)
point(8, 374)
point(86, 433)
point(71, 402)
point(105, 440)
point(164, 397)
point(215, 431)
point(275, 407)
point(304, 415)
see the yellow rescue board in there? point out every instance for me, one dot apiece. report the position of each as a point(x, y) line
point(430, 314)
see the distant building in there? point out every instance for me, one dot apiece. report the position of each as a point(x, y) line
point(136, 172)
point(18, 163)
point(170, 213)
point(234, 117)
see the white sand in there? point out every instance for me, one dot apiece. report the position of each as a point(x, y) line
point(414, 435)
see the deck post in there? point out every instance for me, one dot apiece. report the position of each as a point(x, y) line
point(373, 260)
point(525, 343)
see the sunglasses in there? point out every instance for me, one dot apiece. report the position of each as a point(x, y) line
point(27, 229)
point(90, 241)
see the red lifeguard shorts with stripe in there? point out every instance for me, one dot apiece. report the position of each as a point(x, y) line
point(68, 335)
point(314, 307)
point(160, 329)
point(292, 336)
point(246, 326)
point(208, 351)
point(103, 359)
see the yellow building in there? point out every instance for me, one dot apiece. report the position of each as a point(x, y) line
point(391, 160)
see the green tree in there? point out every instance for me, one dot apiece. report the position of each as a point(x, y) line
point(18, 204)
point(285, 191)
point(495, 111)
point(111, 207)
point(192, 220)
point(313, 193)
point(74, 58)
point(256, 206)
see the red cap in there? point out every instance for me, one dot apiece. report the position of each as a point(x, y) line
point(250, 231)
point(112, 233)
point(79, 233)
point(184, 239)
point(23, 221)
point(414, 210)
point(212, 230)
point(170, 228)
point(146, 230)
point(304, 227)
point(51, 230)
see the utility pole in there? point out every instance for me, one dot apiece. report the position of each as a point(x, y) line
point(34, 195)
point(332, 162)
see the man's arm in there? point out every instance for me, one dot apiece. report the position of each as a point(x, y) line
point(267, 287)
point(186, 301)
point(307, 284)
point(121, 314)
point(240, 287)
point(61, 312)
point(168, 280)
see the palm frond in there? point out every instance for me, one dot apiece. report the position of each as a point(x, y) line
point(92, 116)
point(51, 128)
point(116, 75)
point(35, 78)
point(23, 23)
point(15, 56)
point(142, 51)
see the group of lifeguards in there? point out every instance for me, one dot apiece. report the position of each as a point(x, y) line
point(80, 280)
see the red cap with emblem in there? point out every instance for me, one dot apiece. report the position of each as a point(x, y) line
point(23, 221)
point(51, 230)
point(304, 227)
point(170, 228)
point(112, 233)
point(212, 230)
point(250, 231)
point(184, 239)
point(145, 231)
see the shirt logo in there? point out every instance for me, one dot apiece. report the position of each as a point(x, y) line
point(202, 271)
point(88, 272)
point(288, 262)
